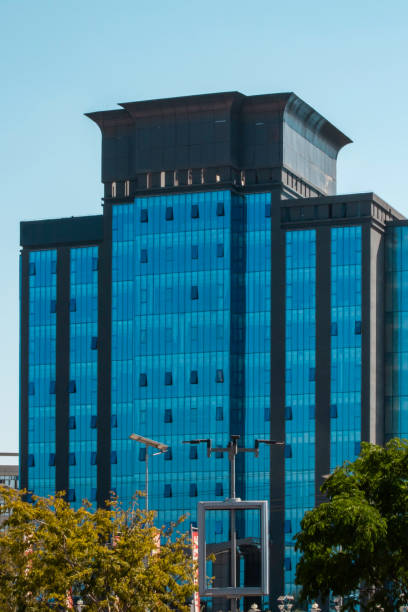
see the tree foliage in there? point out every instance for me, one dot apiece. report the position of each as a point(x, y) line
point(115, 560)
point(356, 545)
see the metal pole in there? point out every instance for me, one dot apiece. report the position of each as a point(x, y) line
point(232, 454)
point(232, 474)
point(233, 560)
point(147, 479)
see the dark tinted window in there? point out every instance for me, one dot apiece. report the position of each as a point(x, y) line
point(168, 455)
point(219, 414)
point(168, 415)
point(193, 490)
point(142, 380)
point(219, 377)
point(168, 491)
point(220, 209)
point(219, 489)
point(220, 250)
point(193, 452)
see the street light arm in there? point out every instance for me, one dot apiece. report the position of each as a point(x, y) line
point(201, 441)
point(268, 442)
point(148, 442)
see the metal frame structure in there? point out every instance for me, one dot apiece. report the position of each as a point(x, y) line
point(232, 506)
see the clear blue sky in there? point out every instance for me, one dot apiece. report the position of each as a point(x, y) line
point(60, 59)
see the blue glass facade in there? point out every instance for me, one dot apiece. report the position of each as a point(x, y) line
point(42, 308)
point(171, 317)
point(83, 341)
point(346, 335)
point(396, 319)
point(207, 282)
point(257, 341)
point(191, 352)
point(299, 389)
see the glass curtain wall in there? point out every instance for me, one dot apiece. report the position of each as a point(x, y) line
point(300, 389)
point(258, 341)
point(257, 305)
point(170, 347)
point(396, 393)
point(346, 330)
point(42, 270)
point(82, 422)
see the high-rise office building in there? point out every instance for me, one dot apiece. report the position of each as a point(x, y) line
point(225, 289)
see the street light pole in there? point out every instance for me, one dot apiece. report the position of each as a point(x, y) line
point(147, 479)
point(232, 453)
point(162, 448)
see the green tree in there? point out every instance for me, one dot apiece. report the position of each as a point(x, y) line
point(115, 560)
point(356, 545)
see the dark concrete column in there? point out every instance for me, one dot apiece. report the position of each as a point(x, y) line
point(323, 357)
point(366, 333)
point(104, 359)
point(62, 369)
point(277, 407)
point(24, 309)
point(238, 222)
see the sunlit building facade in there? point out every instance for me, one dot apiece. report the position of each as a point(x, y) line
point(226, 289)
point(8, 478)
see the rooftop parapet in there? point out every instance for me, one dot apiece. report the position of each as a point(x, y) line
point(217, 138)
